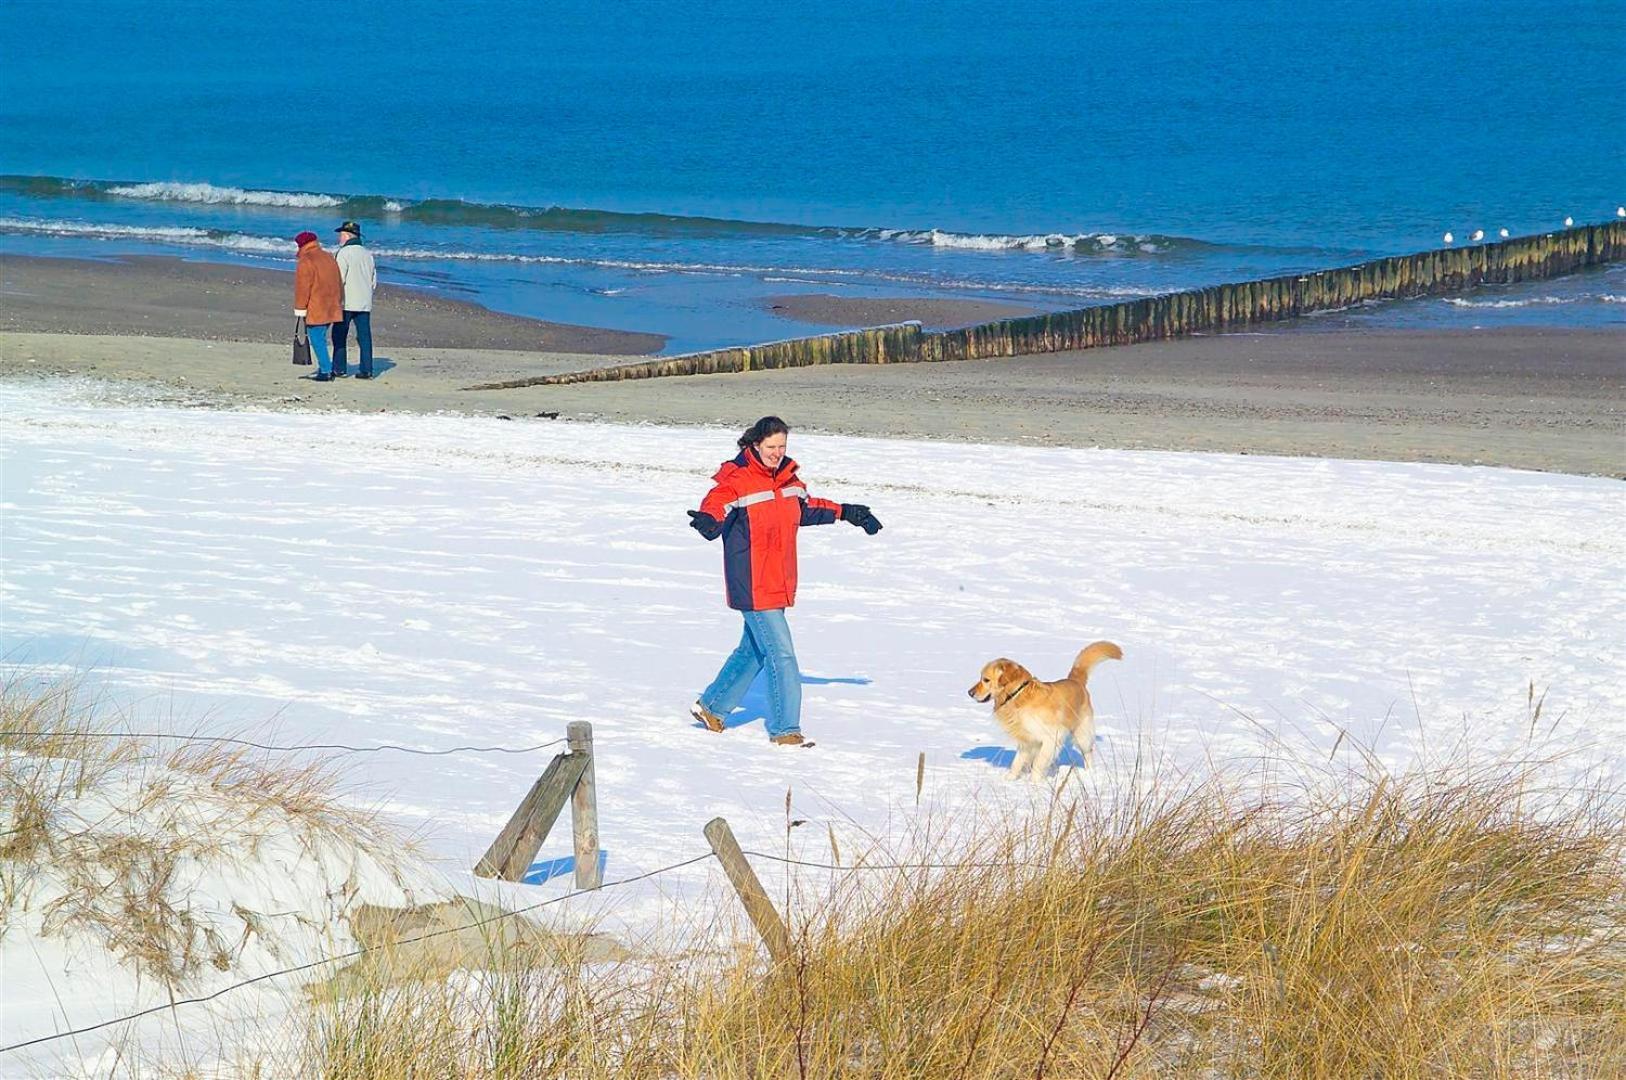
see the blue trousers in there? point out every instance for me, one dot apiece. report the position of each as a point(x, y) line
point(318, 339)
point(364, 339)
point(765, 645)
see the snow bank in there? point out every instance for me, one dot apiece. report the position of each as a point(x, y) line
point(439, 580)
point(134, 875)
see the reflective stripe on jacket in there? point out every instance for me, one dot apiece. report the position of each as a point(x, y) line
point(761, 509)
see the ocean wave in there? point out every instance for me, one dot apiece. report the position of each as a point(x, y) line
point(1052, 242)
point(162, 191)
point(158, 233)
point(1536, 301)
point(283, 249)
point(154, 234)
point(462, 213)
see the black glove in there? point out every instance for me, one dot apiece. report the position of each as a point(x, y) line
point(860, 516)
point(299, 329)
point(705, 524)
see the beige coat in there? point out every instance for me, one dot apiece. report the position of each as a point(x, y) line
point(359, 274)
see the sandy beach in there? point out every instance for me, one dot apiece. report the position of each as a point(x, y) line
point(1528, 398)
point(156, 296)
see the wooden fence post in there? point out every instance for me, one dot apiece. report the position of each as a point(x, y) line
point(584, 808)
point(510, 855)
point(752, 895)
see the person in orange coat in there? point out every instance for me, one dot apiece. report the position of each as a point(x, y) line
point(318, 300)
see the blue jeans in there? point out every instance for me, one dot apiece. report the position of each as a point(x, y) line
point(765, 644)
point(318, 337)
point(364, 339)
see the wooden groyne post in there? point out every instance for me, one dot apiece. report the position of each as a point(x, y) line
point(897, 343)
point(1214, 309)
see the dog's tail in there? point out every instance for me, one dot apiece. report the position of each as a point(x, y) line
point(1092, 655)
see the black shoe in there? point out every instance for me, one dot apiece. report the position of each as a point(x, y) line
point(341, 374)
point(364, 374)
point(320, 377)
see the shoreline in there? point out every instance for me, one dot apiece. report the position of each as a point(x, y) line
point(1546, 400)
point(827, 309)
point(163, 295)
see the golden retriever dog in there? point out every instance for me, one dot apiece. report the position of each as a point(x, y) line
point(1041, 715)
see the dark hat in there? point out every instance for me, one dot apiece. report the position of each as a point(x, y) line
point(306, 237)
point(350, 227)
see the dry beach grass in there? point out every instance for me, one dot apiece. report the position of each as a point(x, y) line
point(1461, 920)
point(1456, 921)
point(120, 879)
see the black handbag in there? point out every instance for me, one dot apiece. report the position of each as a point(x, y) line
point(302, 344)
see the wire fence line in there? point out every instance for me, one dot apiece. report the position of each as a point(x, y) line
point(1007, 865)
point(501, 916)
point(476, 924)
point(341, 747)
point(353, 954)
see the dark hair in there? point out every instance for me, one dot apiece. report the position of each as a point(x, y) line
point(768, 425)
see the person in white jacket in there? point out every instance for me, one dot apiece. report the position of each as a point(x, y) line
point(360, 278)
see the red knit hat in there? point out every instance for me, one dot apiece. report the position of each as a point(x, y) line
point(306, 237)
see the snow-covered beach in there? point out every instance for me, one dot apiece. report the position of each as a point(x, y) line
point(439, 580)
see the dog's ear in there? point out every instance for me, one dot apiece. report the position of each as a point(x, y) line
point(1000, 672)
point(1011, 673)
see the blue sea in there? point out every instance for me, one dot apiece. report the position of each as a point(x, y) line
point(666, 167)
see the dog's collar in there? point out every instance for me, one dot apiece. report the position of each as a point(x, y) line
point(1012, 695)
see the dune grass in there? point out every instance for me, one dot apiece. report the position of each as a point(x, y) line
point(1446, 922)
point(101, 830)
point(1451, 921)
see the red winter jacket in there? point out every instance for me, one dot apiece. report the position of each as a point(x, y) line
point(761, 509)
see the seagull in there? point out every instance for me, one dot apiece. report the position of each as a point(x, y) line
point(1620, 211)
point(1479, 234)
point(1502, 233)
point(1568, 222)
point(1449, 239)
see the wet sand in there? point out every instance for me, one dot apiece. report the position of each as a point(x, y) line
point(153, 296)
point(1551, 400)
point(822, 309)
point(1529, 398)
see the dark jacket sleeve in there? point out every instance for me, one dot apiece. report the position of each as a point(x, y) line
point(820, 511)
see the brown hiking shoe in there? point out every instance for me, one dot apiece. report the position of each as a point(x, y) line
point(711, 720)
point(789, 738)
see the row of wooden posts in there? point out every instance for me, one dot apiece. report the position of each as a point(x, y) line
point(1215, 309)
point(571, 776)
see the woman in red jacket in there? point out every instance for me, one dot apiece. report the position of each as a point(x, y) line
point(756, 504)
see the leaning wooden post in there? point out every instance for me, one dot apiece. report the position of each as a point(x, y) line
point(510, 855)
point(752, 895)
point(584, 808)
